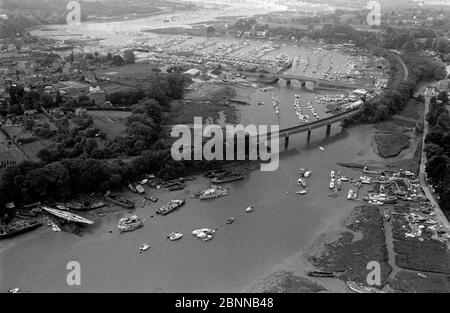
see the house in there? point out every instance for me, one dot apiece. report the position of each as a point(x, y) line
point(261, 33)
point(22, 65)
point(97, 95)
point(56, 112)
point(30, 113)
point(80, 112)
point(193, 72)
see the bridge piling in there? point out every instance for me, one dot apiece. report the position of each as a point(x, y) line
point(308, 138)
point(328, 132)
point(286, 142)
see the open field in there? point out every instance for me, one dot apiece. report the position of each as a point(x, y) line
point(136, 71)
point(111, 122)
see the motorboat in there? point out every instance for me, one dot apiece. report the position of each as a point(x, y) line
point(204, 234)
point(301, 192)
point(68, 216)
point(144, 247)
point(332, 183)
point(249, 209)
point(301, 182)
point(130, 223)
point(360, 288)
point(175, 236)
point(171, 206)
point(230, 220)
point(350, 194)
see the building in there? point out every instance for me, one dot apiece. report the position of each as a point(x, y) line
point(193, 72)
point(80, 112)
point(97, 96)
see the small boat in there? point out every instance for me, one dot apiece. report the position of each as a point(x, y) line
point(75, 206)
point(171, 206)
point(144, 181)
point(68, 216)
point(130, 223)
point(151, 198)
point(301, 182)
point(350, 194)
point(332, 174)
point(301, 192)
point(204, 234)
point(175, 236)
point(140, 189)
point(422, 275)
point(179, 186)
point(332, 184)
point(249, 209)
point(386, 215)
point(18, 228)
point(307, 174)
point(96, 205)
point(144, 247)
point(230, 220)
point(321, 148)
point(226, 179)
point(212, 192)
point(302, 171)
point(321, 274)
point(375, 202)
point(132, 188)
point(125, 203)
point(62, 207)
point(360, 288)
point(14, 290)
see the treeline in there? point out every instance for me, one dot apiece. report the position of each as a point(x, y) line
point(83, 159)
point(162, 88)
point(437, 148)
point(420, 68)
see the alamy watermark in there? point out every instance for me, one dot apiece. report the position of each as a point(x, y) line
point(374, 16)
point(239, 142)
point(73, 18)
point(73, 277)
point(374, 276)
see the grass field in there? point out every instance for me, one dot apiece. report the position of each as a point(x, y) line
point(111, 122)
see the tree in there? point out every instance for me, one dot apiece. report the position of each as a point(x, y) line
point(46, 100)
point(128, 56)
point(117, 60)
point(443, 96)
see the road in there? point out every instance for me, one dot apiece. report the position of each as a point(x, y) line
point(440, 216)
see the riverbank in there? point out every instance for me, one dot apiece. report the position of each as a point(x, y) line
point(362, 234)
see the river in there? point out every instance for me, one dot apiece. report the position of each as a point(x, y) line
point(282, 224)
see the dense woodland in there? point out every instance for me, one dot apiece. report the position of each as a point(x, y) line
point(438, 149)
